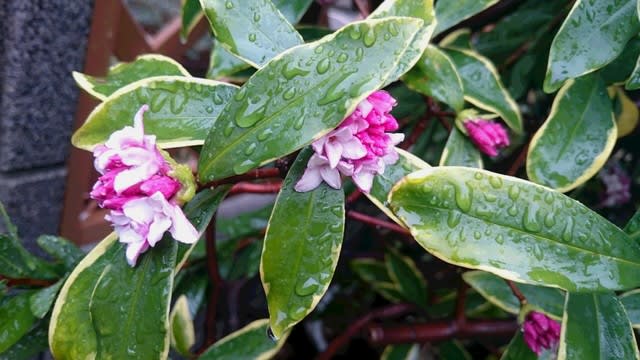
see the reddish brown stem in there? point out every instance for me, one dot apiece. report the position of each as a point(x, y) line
point(513, 169)
point(355, 195)
point(516, 292)
point(377, 222)
point(26, 281)
point(382, 313)
point(460, 316)
point(419, 129)
point(251, 175)
point(216, 284)
point(266, 188)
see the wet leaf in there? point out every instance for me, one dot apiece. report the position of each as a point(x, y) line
point(450, 13)
point(16, 317)
point(605, 24)
point(410, 281)
point(633, 226)
point(633, 83)
point(274, 115)
point(123, 74)
point(631, 303)
point(609, 334)
point(181, 111)
point(620, 69)
point(292, 10)
point(29, 346)
point(576, 139)
point(191, 13)
point(493, 288)
point(301, 248)
point(518, 350)
point(483, 87)
point(253, 30)
point(250, 342)
point(183, 335)
point(61, 249)
point(41, 301)
point(401, 352)
point(515, 229)
point(460, 151)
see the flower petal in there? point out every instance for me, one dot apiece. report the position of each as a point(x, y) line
point(134, 250)
point(181, 229)
point(334, 152)
point(331, 177)
point(364, 180)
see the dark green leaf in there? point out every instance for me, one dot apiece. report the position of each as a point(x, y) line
point(222, 63)
point(370, 270)
point(192, 282)
point(16, 317)
point(29, 346)
point(183, 335)
point(453, 350)
point(631, 303)
point(411, 283)
point(633, 226)
point(123, 74)
point(450, 12)
point(250, 342)
point(247, 262)
point(483, 87)
point(181, 111)
point(301, 248)
point(518, 350)
point(619, 70)
point(292, 10)
point(41, 301)
point(547, 300)
point(576, 139)
point(401, 352)
point(595, 326)
point(460, 151)
point(274, 115)
point(61, 249)
point(594, 33)
point(435, 75)
point(515, 229)
point(191, 13)
point(253, 30)
point(633, 83)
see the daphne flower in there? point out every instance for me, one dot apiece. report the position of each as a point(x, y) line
point(136, 186)
point(488, 136)
point(360, 147)
point(540, 332)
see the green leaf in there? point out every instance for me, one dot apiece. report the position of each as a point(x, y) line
point(411, 283)
point(183, 335)
point(16, 317)
point(192, 282)
point(191, 13)
point(631, 303)
point(633, 226)
point(595, 326)
point(460, 151)
point(519, 350)
point(382, 183)
point(453, 350)
point(483, 87)
point(292, 10)
point(576, 139)
point(61, 249)
point(29, 346)
point(633, 83)
point(606, 24)
point(401, 352)
point(253, 30)
point(375, 274)
point(123, 74)
point(247, 262)
point(41, 301)
point(493, 288)
point(450, 13)
point(515, 229)
point(272, 116)
point(17, 262)
point(250, 342)
point(301, 248)
point(107, 309)
point(620, 69)
point(182, 110)
point(435, 75)
point(222, 63)
point(458, 39)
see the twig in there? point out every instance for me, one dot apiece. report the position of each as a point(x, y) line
point(516, 292)
point(265, 188)
point(417, 131)
point(355, 195)
point(460, 316)
point(26, 281)
point(251, 175)
point(377, 222)
point(513, 169)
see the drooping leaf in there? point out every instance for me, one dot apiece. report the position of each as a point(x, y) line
point(301, 248)
point(460, 151)
point(181, 111)
point(61, 249)
point(633, 83)
point(620, 69)
point(253, 30)
point(450, 13)
point(42, 300)
point(483, 87)
point(16, 317)
point(191, 13)
point(631, 303)
point(250, 342)
point(594, 34)
point(519, 350)
point(183, 335)
point(576, 139)
point(411, 283)
point(272, 116)
point(435, 75)
point(595, 326)
point(123, 74)
point(29, 346)
point(401, 352)
point(547, 300)
point(515, 229)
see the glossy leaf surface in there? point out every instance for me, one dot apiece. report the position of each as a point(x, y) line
point(16, 317)
point(450, 12)
point(274, 115)
point(631, 303)
point(605, 25)
point(633, 226)
point(183, 334)
point(633, 83)
point(483, 87)
point(123, 74)
point(190, 14)
point(222, 63)
point(595, 326)
point(61, 249)
point(29, 346)
point(515, 229)
point(620, 69)
point(435, 75)
point(495, 289)
point(253, 30)
point(292, 10)
point(250, 342)
point(41, 301)
point(460, 151)
point(181, 111)
point(301, 248)
point(577, 137)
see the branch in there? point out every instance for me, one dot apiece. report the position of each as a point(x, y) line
point(513, 169)
point(26, 281)
point(265, 188)
point(516, 292)
point(377, 222)
point(251, 175)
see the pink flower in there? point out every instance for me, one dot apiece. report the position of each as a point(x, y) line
point(488, 136)
point(359, 147)
point(135, 185)
point(540, 332)
point(617, 185)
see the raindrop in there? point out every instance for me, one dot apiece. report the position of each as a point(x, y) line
point(359, 53)
point(369, 38)
point(538, 253)
point(549, 220)
point(319, 49)
point(298, 123)
point(513, 211)
point(264, 135)
point(567, 234)
point(250, 149)
point(248, 116)
point(387, 36)
point(209, 109)
point(529, 221)
point(342, 58)
point(252, 37)
point(477, 176)
point(217, 99)
point(289, 93)
point(228, 5)
point(463, 197)
point(293, 71)
point(548, 198)
point(355, 33)
point(500, 239)
point(256, 17)
point(307, 287)
point(240, 95)
point(228, 129)
point(477, 235)
point(393, 29)
point(244, 166)
point(495, 182)
point(453, 219)
point(297, 314)
point(323, 66)
point(514, 192)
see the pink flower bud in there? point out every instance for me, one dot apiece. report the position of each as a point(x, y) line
point(540, 332)
point(488, 136)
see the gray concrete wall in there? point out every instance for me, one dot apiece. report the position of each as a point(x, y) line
point(41, 42)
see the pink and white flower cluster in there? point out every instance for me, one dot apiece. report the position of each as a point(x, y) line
point(488, 136)
point(540, 332)
point(135, 185)
point(360, 147)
